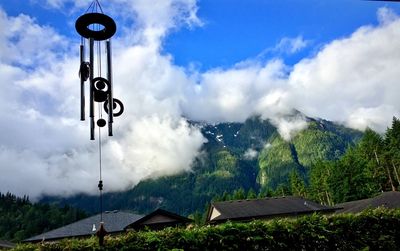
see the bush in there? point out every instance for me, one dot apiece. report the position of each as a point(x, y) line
point(376, 229)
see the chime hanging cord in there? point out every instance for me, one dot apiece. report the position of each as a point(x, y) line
point(94, 6)
point(101, 180)
point(100, 143)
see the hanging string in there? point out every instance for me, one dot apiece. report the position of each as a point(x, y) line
point(93, 7)
point(90, 6)
point(101, 178)
point(101, 9)
point(99, 58)
point(100, 116)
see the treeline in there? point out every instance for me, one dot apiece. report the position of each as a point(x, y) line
point(21, 219)
point(370, 167)
point(367, 168)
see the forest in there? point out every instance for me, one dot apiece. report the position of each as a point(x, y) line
point(21, 219)
point(367, 168)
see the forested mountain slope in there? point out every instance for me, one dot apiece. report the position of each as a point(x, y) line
point(249, 156)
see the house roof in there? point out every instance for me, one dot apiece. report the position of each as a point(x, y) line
point(263, 208)
point(6, 244)
point(159, 217)
point(387, 199)
point(114, 221)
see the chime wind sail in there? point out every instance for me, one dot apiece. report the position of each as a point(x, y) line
point(96, 29)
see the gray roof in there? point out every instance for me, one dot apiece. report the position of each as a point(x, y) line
point(386, 199)
point(114, 222)
point(6, 244)
point(264, 208)
point(160, 218)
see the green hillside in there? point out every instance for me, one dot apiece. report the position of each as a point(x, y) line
point(322, 140)
point(248, 156)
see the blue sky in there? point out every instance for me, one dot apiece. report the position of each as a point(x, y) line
point(205, 60)
point(234, 30)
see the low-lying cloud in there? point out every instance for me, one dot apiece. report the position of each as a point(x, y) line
point(45, 149)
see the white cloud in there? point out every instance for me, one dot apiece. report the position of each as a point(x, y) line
point(386, 15)
point(288, 126)
point(46, 146)
point(55, 3)
point(234, 94)
point(152, 19)
point(250, 154)
point(353, 80)
point(154, 147)
point(24, 42)
point(291, 45)
point(351, 76)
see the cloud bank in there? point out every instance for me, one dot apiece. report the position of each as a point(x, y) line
point(45, 149)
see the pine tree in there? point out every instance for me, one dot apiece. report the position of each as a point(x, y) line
point(319, 189)
point(297, 185)
point(392, 152)
point(239, 194)
point(251, 194)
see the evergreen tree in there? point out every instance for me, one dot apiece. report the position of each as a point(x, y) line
point(392, 153)
point(319, 188)
point(226, 196)
point(251, 194)
point(239, 194)
point(371, 149)
point(297, 185)
point(281, 191)
point(350, 179)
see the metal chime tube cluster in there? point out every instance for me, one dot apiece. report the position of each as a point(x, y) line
point(97, 29)
point(82, 53)
point(109, 76)
point(91, 100)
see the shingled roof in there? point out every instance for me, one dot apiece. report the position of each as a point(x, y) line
point(114, 222)
point(263, 208)
point(387, 199)
point(159, 219)
point(6, 245)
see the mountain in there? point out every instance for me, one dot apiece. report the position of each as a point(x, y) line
point(250, 156)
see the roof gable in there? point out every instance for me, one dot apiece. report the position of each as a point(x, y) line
point(263, 208)
point(387, 199)
point(214, 213)
point(159, 217)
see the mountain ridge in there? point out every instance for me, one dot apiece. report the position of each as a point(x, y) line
point(248, 155)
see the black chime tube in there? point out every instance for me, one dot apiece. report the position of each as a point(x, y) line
point(82, 53)
point(91, 108)
point(110, 96)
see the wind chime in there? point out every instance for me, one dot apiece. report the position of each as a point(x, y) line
point(96, 30)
